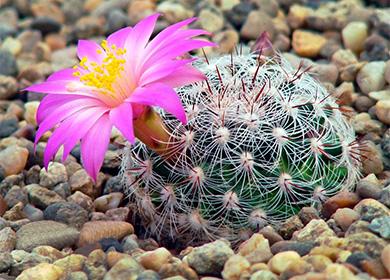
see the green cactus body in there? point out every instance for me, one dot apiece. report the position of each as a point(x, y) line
point(262, 140)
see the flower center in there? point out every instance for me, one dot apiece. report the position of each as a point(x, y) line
point(102, 75)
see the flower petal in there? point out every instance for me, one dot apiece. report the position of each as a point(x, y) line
point(119, 37)
point(122, 118)
point(64, 74)
point(89, 49)
point(182, 76)
point(58, 87)
point(162, 96)
point(94, 145)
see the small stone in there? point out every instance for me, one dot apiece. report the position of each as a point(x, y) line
point(8, 87)
point(72, 262)
point(256, 23)
point(129, 244)
point(116, 20)
point(15, 213)
point(15, 195)
point(95, 264)
point(55, 41)
point(47, 251)
point(371, 77)
point(384, 197)
point(7, 240)
point(42, 271)
point(306, 214)
point(209, 258)
point(80, 181)
point(49, 233)
point(318, 262)
point(5, 261)
point(382, 110)
point(108, 201)
point(375, 48)
point(8, 63)
point(326, 73)
point(3, 206)
point(177, 269)
point(30, 112)
point(297, 15)
point(340, 200)
point(299, 267)
point(374, 268)
point(354, 36)
point(226, 40)
point(387, 72)
point(13, 45)
point(42, 197)
point(175, 12)
point(92, 232)
point(239, 13)
point(211, 21)
point(343, 58)
point(385, 257)
point(68, 213)
point(291, 225)
point(140, 9)
point(126, 268)
point(118, 214)
point(381, 225)
point(256, 249)
point(77, 275)
point(271, 234)
point(155, 259)
point(335, 254)
point(281, 261)
point(338, 271)
point(264, 275)
point(82, 199)
point(55, 174)
point(235, 267)
point(363, 123)
point(307, 44)
point(8, 126)
point(315, 230)
point(302, 248)
point(13, 159)
point(380, 95)
point(152, 275)
point(365, 242)
point(370, 209)
point(367, 189)
point(344, 217)
point(88, 26)
point(372, 158)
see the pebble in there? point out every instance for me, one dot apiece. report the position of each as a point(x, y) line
point(8, 126)
point(382, 110)
point(380, 95)
point(49, 233)
point(95, 265)
point(297, 15)
point(13, 159)
point(338, 271)
point(139, 9)
point(108, 201)
point(8, 63)
point(177, 269)
point(372, 159)
point(374, 268)
point(7, 240)
point(3, 205)
point(55, 174)
point(256, 249)
point(367, 189)
point(271, 234)
point(118, 214)
point(239, 13)
point(42, 271)
point(375, 48)
point(211, 20)
point(126, 268)
point(387, 72)
point(15, 213)
point(209, 258)
point(289, 226)
point(16, 194)
point(340, 200)
point(256, 23)
point(371, 77)
point(30, 112)
point(326, 73)
point(116, 20)
point(8, 87)
point(385, 257)
point(302, 248)
point(80, 181)
point(354, 35)
point(42, 197)
point(155, 259)
point(73, 262)
point(307, 44)
point(5, 261)
point(235, 267)
point(365, 242)
point(344, 217)
point(93, 231)
point(281, 261)
point(82, 199)
point(381, 225)
point(344, 58)
point(315, 230)
point(226, 40)
point(47, 251)
point(68, 213)
point(175, 12)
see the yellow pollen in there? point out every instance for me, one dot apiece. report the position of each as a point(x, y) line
point(103, 75)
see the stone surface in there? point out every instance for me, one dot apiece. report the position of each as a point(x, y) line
point(385, 257)
point(256, 23)
point(55, 174)
point(340, 200)
point(126, 268)
point(307, 44)
point(42, 271)
point(7, 240)
point(209, 258)
point(315, 230)
point(354, 35)
point(13, 159)
point(281, 261)
point(256, 249)
point(49, 233)
point(235, 267)
point(68, 213)
point(42, 197)
point(73, 262)
point(371, 77)
point(155, 259)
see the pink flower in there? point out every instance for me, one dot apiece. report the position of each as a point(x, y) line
point(112, 85)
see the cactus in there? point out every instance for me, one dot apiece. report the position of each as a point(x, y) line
point(262, 140)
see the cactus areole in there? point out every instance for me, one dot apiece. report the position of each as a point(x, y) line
point(263, 139)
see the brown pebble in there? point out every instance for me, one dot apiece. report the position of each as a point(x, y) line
point(113, 257)
point(374, 268)
point(92, 232)
point(340, 200)
point(3, 205)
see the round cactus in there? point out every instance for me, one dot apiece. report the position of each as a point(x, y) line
point(262, 140)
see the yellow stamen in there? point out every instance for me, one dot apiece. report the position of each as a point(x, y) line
point(103, 75)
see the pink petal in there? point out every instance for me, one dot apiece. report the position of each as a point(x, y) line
point(94, 145)
point(162, 96)
point(57, 87)
point(81, 122)
point(161, 70)
point(122, 118)
point(140, 34)
point(64, 74)
point(182, 76)
point(87, 48)
point(119, 37)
